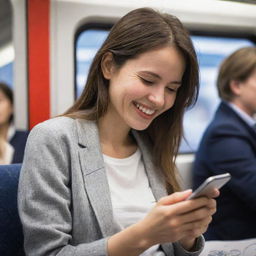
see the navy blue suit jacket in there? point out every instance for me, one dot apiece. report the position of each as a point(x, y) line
point(18, 141)
point(229, 145)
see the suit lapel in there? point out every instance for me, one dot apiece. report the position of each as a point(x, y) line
point(237, 120)
point(94, 175)
point(155, 176)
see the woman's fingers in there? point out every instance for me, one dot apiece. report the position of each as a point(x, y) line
point(175, 197)
point(195, 229)
point(197, 215)
point(192, 218)
point(184, 207)
point(214, 193)
point(173, 218)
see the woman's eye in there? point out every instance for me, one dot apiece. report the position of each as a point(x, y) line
point(169, 89)
point(145, 81)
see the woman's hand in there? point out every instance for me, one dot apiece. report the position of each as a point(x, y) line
point(188, 241)
point(174, 219)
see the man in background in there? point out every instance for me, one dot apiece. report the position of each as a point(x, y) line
point(229, 145)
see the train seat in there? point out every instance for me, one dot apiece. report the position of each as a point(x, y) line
point(184, 163)
point(11, 236)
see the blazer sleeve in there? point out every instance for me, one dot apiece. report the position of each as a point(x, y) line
point(235, 154)
point(44, 198)
point(180, 251)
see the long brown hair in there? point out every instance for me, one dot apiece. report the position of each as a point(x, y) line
point(137, 32)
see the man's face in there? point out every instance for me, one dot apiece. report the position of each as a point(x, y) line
point(246, 95)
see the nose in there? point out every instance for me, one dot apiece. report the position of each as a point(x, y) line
point(156, 97)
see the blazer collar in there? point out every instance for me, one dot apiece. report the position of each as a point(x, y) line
point(155, 176)
point(95, 178)
point(88, 140)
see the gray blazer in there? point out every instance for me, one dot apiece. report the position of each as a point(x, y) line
point(64, 199)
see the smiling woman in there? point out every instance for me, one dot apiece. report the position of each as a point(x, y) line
point(102, 176)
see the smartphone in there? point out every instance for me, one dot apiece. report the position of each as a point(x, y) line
point(209, 184)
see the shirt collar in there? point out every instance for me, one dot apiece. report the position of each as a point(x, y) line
point(248, 119)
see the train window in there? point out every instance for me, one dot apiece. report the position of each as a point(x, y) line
point(6, 46)
point(6, 72)
point(211, 51)
point(86, 47)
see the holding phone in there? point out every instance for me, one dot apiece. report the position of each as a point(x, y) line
point(209, 184)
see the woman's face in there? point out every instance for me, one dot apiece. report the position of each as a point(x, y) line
point(5, 109)
point(145, 87)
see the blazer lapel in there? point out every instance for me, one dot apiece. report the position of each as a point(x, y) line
point(155, 176)
point(94, 174)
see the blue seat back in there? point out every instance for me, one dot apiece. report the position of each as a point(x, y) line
point(11, 236)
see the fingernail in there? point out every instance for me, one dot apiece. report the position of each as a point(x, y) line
point(187, 190)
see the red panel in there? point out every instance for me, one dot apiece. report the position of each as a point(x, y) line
point(38, 60)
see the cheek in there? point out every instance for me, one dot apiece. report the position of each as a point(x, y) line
point(136, 92)
point(133, 91)
point(170, 100)
point(250, 94)
point(6, 111)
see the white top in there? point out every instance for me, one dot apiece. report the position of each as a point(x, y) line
point(131, 196)
point(8, 150)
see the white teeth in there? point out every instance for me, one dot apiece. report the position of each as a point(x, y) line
point(145, 110)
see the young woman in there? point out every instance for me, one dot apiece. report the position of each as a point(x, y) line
point(12, 141)
point(96, 180)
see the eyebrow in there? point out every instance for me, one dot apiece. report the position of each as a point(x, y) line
point(158, 77)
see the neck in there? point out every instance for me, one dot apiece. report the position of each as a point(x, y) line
point(4, 130)
point(114, 138)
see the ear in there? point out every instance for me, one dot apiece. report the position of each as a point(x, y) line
point(107, 65)
point(235, 87)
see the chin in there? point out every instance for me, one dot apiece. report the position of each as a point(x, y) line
point(140, 127)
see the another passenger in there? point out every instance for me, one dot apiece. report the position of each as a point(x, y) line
point(12, 141)
point(229, 145)
point(96, 180)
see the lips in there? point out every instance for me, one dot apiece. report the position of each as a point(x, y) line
point(146, 110)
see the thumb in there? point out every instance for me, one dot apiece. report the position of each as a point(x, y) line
point(175, 197)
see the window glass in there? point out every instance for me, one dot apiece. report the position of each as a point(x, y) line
point(6, 74)
point(87, 45)
point(210, 50)
point(6, 45)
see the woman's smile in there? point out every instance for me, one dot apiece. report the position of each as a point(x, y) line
point(144, 111)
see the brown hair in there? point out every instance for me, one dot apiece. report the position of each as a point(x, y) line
point(238, 66)
point(137, 32)
point(7, 91)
